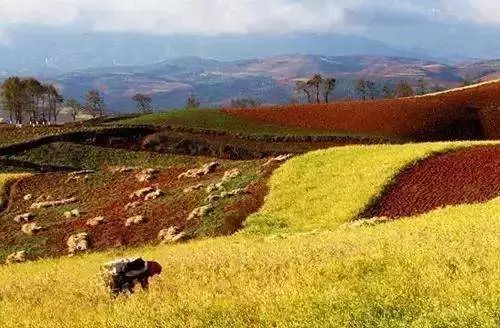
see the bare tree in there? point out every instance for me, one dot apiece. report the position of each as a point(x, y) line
point(317, 87)
point(54, 101)
point(422, 87)
point(302, 86)
point(95, 104)
point(192, 102)
point(404, 89)
point(75, 108)
point(143, 103)
point(361, 89)
point(328, 88)
point(245, 103)
point(371, 88)
point(387, 92)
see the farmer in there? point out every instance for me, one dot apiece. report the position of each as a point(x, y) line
point(122, 275)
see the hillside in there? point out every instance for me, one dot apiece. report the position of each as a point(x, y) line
point(305, 255)
point(464, 113)
point(270, 79)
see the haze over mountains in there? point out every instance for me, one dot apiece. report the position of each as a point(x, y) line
point(270, 80)
point(170, 49)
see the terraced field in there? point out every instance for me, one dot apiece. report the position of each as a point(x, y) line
point(303, 259)
point(461, 114)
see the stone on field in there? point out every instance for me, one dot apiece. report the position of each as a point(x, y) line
point(277, 159)
point(193, 188)
point(170, 235)
point(231, 174)
point(39, 205)
point(72, 213)
point(79, 242)
point(153, 195)
point(146, 175)
point(210, 167)
point(225, 194)
point(196, 173)
point(98, 220)
point(141, 192)
point(31, 228)
point(214, 187)
point(26, 217)
point(138, 219)
point(82, 172)
point(132, 205)
point(17, 257)
point(121, 169)
point(213, 198)
point(79, 175)
point(200, 212)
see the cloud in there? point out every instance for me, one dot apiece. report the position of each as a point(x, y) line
point(242, 16)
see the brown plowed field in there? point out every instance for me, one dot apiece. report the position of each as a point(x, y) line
point(466, 176)
point(472, 113)
point(106, 194)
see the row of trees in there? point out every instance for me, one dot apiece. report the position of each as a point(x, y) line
point(30, 98)
point(319, 89)
point(34, 101)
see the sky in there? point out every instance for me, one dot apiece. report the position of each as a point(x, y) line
point(214, 17)
point(410, 24)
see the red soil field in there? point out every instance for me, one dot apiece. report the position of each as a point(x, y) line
point(466, 176)
point(108, 194)
point(472, 113)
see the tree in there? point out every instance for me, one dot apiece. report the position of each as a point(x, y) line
point(34, 93)
point(143, 103)
point(245, 103)
point(13, 98)
point(29, 97)
point(192, 102)
point(387, 92)
point(422, 87)
point(404, 89)
point(315, 82)
point(302, 86)
point(371, 88)
point(317, 86)
point(75, 108)
point(54, 101)
point(329, 85)
point(437, 88)
point(361, 89)
point(95, 104)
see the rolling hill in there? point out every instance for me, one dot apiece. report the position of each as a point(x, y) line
point(270, 79)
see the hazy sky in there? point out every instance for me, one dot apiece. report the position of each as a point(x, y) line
point(245, 16)
point(437, 28)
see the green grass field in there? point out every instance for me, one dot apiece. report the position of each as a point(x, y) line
point(11, 135)
point(295, 265)
point(211, 119)
point(5, 179)
point(93, 157)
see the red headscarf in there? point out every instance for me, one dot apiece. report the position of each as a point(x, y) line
point(154, 268)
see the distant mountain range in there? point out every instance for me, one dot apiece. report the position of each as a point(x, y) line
point(271, 79)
